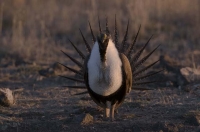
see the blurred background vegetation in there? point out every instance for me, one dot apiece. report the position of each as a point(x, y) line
point(36, 30)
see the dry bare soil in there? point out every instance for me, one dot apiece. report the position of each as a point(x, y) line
point(42, 104)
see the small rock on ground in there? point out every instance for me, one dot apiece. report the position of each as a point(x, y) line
point(87, 119)
point(6, 97)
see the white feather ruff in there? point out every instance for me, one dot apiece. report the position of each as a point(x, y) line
point(105, 79)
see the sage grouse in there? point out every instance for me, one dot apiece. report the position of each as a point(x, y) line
point(110, 69)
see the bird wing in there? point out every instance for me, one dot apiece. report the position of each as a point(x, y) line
point(126, 67)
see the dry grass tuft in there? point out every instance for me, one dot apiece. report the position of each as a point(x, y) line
point(37, 30)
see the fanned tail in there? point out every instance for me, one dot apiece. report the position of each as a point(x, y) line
point(138, 74)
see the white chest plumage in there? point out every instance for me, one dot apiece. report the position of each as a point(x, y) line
point(105, 79)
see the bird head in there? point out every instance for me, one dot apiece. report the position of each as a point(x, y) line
point(103, 40)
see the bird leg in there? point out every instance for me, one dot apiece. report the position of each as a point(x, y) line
point(113, 111)
point(107, 109)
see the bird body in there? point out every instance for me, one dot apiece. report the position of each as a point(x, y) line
point(106, 75)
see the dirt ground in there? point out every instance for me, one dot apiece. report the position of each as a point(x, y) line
point(42, 104)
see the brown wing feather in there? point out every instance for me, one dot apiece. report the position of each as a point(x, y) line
point(127, 71)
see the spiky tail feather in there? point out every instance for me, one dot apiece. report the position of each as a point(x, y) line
point(74, 60)
point(124, 42)
point(71, 69)
point(93, 37)
point(128, 52)
point(73, 79)
point(76, 87)
point(116, 34)
point(77, 50)
point(139, 63)
point(138, 54)
point(85, 42)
